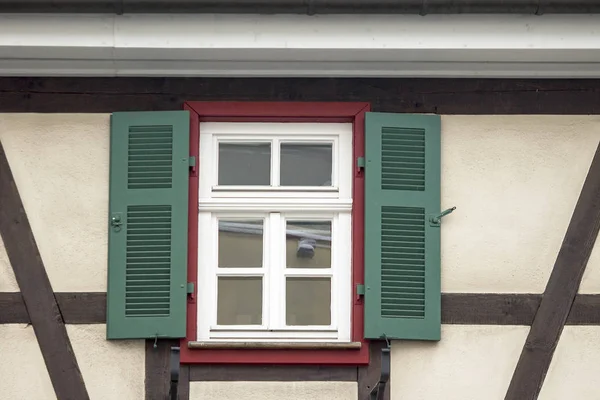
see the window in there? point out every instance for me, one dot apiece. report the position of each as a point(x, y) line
point(275, 202)
point(280, 233)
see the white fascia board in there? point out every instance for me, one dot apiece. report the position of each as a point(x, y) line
point(295, 45)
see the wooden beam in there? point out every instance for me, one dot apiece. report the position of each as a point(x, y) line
point(42, 307)
point(441, 96)
point(489, 308)
point(560, 292)
point(457, 308)
point(12, 309)
point(158, 370)
point(287, 373)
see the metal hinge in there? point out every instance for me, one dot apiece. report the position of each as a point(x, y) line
point(360, 289)
point(192, 163)
point(360, 163)
point(174, 367)
point(379, 389)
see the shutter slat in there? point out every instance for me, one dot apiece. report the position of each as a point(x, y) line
point(148, 250)
point(402, 250)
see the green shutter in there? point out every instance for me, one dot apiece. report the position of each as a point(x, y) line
point(147, 225)
point(402, 247)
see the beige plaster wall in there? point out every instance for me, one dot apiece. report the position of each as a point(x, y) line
point(573, 372)
point(8, 282)
point(469, 363)
point(22, 370)
point(515, 181)
point(60, 164)
point(273, 390)
point(110, 369)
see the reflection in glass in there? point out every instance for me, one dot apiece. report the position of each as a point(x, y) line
point(244, 164)
point(240, 243)
point(308, 244)
point(239, 301)
point(308, 301)
point(306, 164)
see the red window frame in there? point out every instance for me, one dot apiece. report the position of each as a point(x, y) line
point(279, 112)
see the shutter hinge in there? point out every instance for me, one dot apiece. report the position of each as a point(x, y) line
point(190, 289)
point(192, 163)
point(360, 163)
point(360, 289)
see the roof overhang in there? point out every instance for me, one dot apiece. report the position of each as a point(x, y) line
point(549, 46)
point(302, 6)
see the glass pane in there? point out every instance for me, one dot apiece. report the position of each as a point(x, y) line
point(239, 301)
point(306, 164)
point(240, 244)
point(308, 244)
point(244, 164)
point(308, 301)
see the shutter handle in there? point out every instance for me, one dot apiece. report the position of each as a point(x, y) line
point(116, 222)
point(436, 220)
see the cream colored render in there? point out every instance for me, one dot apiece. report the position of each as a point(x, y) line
point(60, 164)
point(514, 179)
point(8, 283)
point(573, 372)
point(273, 391)
point(110, 369)
point(22, 370)
point(469, 363)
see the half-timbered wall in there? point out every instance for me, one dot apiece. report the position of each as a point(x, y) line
point(515, 180)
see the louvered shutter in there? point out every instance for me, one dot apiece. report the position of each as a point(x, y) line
point(147, 223)
point(402, 247)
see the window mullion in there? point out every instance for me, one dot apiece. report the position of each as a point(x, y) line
point(275, 155)
point(274, 272)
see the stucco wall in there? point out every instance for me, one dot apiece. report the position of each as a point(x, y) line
point(8, 282)
point(22, 370)
point(60, 164)
point(273, 390)
point(110, 369)
point(573, 373)
point(515, 181)
point(469, 363)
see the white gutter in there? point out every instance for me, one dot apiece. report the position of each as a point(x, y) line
point(549, 46)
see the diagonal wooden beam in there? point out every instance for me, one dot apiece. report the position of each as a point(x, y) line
point(560, 292)
point(43, 310)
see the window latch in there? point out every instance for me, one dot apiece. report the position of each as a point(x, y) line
point(436, 220)
point(379, 389)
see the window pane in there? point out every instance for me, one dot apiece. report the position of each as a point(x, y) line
point(240, 244)
point(308, 301)
point(239, 301)
point(306, 164)
point(244, 164)
point(308, 244)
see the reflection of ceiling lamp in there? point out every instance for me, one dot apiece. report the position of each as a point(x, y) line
point(306, 248)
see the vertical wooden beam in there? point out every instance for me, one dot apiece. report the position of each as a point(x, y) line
point(560, 292)
point(38, 296)
point(158, 370)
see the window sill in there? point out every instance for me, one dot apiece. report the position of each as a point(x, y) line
point(275, 345)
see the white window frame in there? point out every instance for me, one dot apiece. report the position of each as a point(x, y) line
point(275, 205)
